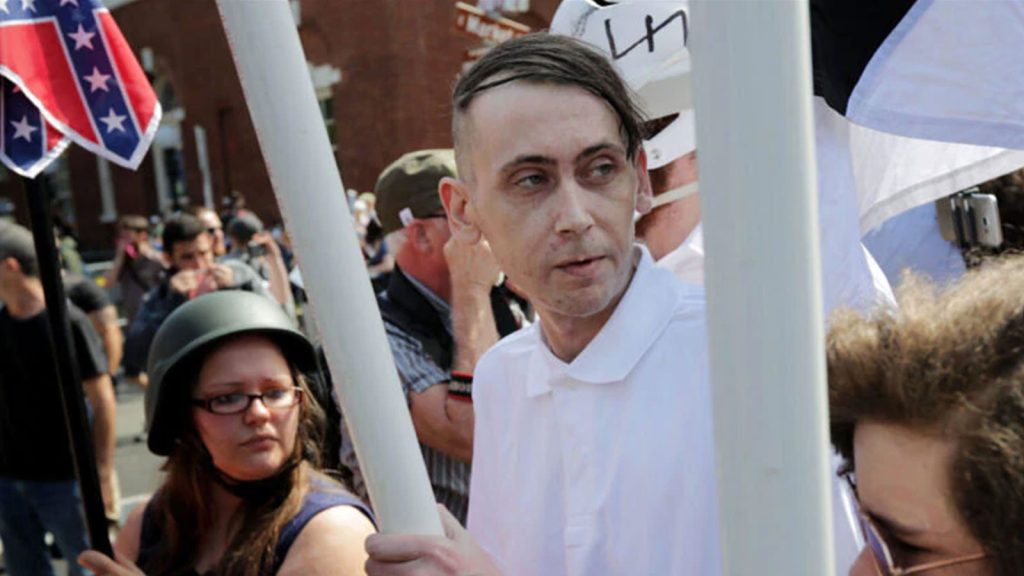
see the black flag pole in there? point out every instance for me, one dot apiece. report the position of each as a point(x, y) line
point(79, 434)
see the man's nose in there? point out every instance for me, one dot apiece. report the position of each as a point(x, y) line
point(573, 209)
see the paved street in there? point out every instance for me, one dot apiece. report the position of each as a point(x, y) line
point(138, 470)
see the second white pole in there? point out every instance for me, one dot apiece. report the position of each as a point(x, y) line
point(752, 87)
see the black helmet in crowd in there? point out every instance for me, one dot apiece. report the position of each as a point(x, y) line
point(189, 333)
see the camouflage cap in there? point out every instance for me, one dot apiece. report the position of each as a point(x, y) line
point(407, 188)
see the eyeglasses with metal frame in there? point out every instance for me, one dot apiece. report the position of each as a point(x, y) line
point(882, 555)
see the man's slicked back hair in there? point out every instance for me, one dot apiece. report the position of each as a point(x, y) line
point(552, 59)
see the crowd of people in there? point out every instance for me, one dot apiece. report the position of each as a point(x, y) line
point(540, 285)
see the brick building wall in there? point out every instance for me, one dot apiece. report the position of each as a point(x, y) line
point(397, 59)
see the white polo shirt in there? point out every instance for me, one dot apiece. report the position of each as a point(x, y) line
point(606, 465)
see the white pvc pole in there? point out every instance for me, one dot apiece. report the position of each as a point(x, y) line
point(303, 172)
point(752, 88)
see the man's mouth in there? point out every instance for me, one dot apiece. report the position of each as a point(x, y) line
point(580, 266)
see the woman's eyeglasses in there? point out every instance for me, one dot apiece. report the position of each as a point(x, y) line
point(276, 399)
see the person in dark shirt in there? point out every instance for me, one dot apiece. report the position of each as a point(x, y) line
point(137, 264)
point(95, 303)
point(38, 492)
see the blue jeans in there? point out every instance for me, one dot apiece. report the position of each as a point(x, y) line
point(29, 509)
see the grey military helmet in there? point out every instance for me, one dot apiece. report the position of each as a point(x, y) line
point(189, 332)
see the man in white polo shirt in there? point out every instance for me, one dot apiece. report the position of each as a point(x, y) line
point(659, 74)
point(593, 449)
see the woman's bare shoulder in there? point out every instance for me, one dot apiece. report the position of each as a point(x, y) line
point(332, 542)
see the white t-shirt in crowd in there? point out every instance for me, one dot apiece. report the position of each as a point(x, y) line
point(605, 465)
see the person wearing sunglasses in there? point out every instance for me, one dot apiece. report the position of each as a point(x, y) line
point(137, 265)
point(230, 405)
point(927, 410)
point(214, 227)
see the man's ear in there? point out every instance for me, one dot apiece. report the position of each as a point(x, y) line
point(455, 197)
point(644, 194)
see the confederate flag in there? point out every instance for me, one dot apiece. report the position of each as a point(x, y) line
point(67, 74)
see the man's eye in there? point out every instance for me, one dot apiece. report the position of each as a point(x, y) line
point(531, 181)
point(602, 170)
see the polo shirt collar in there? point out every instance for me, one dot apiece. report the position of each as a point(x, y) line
point(643, 313)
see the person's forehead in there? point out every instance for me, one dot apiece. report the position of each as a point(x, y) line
point(528, 118)
point(197, 244)
point(904, 474)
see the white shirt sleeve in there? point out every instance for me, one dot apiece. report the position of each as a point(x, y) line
point(483, 520)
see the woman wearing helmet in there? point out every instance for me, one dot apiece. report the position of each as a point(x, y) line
point(230, 407)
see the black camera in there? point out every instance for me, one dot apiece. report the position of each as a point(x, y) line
point(256, 250)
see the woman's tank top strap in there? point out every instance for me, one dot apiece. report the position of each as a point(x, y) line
point(321, 496)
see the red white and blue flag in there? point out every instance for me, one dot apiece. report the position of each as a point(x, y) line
point(67, 74)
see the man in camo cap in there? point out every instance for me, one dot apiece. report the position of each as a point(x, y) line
point(438, 316)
